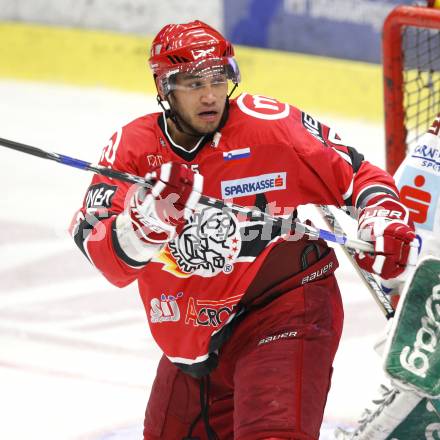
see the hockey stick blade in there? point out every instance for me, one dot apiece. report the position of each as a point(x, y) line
point(287, 225)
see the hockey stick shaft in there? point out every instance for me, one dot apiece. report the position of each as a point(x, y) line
point(255, 214)
point(370, 282)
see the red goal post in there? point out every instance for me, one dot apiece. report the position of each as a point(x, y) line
point(411, 70)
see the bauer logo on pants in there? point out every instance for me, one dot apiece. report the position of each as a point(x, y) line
point(284, 335)
point(254, 185)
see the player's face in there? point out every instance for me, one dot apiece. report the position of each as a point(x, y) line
point(200, 101)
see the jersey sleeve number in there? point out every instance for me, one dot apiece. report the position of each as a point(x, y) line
point(109, 151)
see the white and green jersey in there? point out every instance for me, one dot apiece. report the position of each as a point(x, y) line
point(418, 180)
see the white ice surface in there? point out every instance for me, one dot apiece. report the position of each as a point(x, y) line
point(76, 357)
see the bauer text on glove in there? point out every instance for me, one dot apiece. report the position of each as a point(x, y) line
point(385, 222)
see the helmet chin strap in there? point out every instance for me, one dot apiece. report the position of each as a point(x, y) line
point(179, 121)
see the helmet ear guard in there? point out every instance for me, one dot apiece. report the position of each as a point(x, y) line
point(159, 88)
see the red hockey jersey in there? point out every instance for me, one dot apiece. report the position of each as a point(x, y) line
point(269, 155)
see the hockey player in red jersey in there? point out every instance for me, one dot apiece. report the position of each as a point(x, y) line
point(248, 316)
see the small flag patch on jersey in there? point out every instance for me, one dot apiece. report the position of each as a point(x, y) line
point(240, 153)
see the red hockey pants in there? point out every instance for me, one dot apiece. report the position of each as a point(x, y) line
point(272, 379)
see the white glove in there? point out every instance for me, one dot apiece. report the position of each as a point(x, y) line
point(155, 216)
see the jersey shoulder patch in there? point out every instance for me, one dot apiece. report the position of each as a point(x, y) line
point(262, 107)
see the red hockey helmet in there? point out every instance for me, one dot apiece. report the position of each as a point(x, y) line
point(193, 47)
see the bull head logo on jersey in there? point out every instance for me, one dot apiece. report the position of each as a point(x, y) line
point(209, 244)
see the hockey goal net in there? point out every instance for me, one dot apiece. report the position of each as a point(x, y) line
point(411, 63)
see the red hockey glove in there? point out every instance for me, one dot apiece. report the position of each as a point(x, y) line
point(155, 216)
point(386, 223)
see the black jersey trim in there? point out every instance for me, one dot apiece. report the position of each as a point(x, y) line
point(120, 253)
point(187, 155)
point(356, 158)
point(199, 369)
point(372, 191)
point(85, 228)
